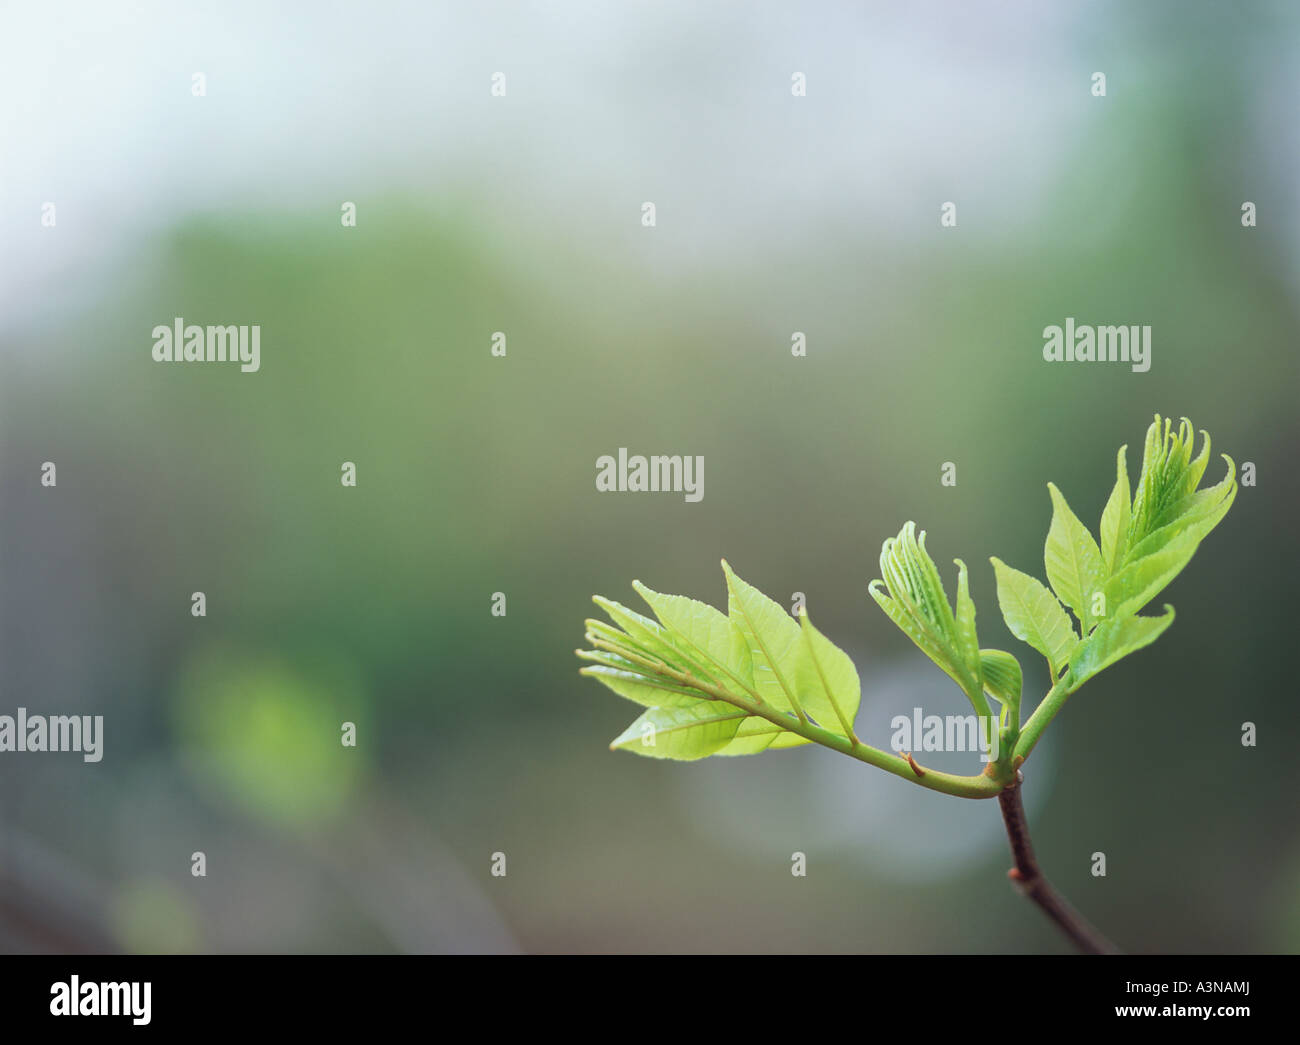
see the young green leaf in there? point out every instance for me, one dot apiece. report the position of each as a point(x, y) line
point(825, 677)
point(1003, 678)
point(772, 637)
point(1168, 476)
point(695, 662)
point(667, 675)
point(1143, 579)
point(1159, 557)
point(968, 645)
point(1034, 616)
point(1073, 560)
point(1115, 518)
point(1198, 513)
point(619, 650)
point(629, 681)
point(917, 603)
point(650, 637)
point(757, 735)
point(682, 733)
point(703, 627)
point(1113, 639)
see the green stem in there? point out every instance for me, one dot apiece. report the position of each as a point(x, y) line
point(1042, 716)
point(948, 783)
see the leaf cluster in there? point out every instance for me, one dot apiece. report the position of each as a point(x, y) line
point(720, 684)
point(755, 679)
point(1147, 537)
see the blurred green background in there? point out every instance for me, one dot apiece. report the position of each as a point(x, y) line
point(476, 474)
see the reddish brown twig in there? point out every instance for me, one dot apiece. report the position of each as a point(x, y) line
point(1029, 879)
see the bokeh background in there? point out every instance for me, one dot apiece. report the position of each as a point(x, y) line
point(476, 474)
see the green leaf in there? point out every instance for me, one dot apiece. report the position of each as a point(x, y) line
point(1113, 639)
point(682, 733)
point(1198, 514)
point(1142, 580)
point(1169, 475)
point(1003, 678)
point(1073, 560)
point(772, 637)
point(698, 663)
point(757, 735)
point(826, 680)
point(828, 687)
point(703, 627)
point(628, 681)
point(645, 633)
point(1034, 616)
point(1168, 520)
point(653, 640)
point(918, 604)
point(968, 645)
point(1115, 518)
point(1162, 555)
